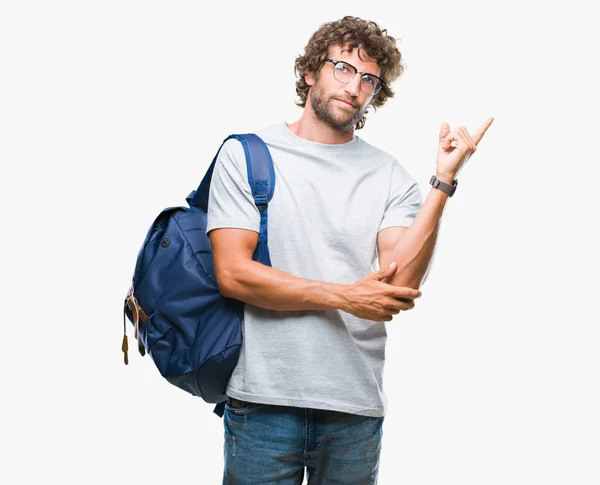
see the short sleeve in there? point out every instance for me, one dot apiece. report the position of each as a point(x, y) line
point(404, 199)
point(230, 202)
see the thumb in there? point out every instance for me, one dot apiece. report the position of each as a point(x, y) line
point(444, 130)
point(384, 273)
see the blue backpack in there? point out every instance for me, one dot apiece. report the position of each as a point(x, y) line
point(191, 331)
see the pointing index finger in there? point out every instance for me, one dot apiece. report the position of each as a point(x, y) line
point(478, 135)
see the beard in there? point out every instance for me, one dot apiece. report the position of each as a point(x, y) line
point(325, 110)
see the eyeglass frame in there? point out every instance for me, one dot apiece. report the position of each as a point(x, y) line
point(382, 83)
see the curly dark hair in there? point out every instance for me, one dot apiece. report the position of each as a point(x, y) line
point(351, 32)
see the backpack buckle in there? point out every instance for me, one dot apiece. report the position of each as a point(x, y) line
point(261, 201)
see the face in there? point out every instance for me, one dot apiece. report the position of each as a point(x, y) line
point(336, 104)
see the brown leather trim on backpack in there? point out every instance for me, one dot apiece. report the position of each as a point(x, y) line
point(138, 314)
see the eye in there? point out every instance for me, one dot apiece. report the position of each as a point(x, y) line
point(369, 80)
point(340, 66)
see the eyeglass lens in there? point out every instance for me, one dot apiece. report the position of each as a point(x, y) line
point(345, 72)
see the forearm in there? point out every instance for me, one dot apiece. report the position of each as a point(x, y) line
point(270, 288)
point(414, 250)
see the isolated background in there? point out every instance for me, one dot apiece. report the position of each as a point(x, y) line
point(113, 110)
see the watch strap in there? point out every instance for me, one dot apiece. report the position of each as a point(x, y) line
point(443, 186)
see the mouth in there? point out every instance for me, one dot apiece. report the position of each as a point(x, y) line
point(346, 103)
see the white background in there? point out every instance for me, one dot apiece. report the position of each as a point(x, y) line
point(111, 111)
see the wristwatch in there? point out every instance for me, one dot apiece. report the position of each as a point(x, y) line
point(443, 186)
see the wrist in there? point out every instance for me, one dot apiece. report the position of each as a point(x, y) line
point(335, 296)
point(447, 188)
point(446, 177)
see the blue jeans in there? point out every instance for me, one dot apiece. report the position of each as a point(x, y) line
point(273, 444)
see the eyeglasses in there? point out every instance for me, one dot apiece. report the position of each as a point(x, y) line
point(344, 73)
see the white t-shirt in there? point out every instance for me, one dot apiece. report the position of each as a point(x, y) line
point(329, 203)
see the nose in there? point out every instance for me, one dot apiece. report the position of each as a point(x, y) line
point(353, 87)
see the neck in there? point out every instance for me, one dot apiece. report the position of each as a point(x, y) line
point(311, 128)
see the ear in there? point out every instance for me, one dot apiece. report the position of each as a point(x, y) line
point(309, 78)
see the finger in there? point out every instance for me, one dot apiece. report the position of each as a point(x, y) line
point(468, 143)
point(463, 141)
point(384, 273)
point(406, 305)
point(444, 130)
point(399, 305)
point(383, 318)
point(449, 141)
point(471, 141)
point(404, 292)
point(394, 306)
point(478, 134)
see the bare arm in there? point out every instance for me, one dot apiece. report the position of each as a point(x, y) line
point(239, 277)
point(412, 248)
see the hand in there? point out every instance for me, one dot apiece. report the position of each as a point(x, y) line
point(372, 299)
point(455, 148)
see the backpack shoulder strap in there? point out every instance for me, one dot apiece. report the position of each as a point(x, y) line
point(261, 178)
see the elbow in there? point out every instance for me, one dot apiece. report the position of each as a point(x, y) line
point(412, 274)
point(407, 278)
point(414, 284)
point(223, 278)
point(230, 280)
point(406, 282)
point(225, 283)
point(224, 289)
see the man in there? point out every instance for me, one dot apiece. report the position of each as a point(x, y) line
point(307, 391)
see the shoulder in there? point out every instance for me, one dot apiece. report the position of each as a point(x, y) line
point(386, 159)
point(234, 149)
point(271, 134)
